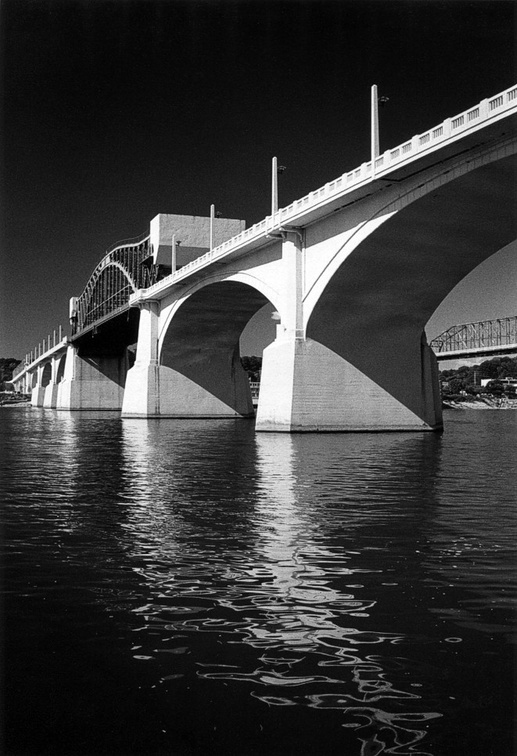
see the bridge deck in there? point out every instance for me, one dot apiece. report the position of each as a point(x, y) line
point(453, 136)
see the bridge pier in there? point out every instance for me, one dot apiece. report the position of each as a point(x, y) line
point(142, 390)
point(37, 395)
point(305, 386)
point(91, 382)
point(40, 383)
point(50, 395)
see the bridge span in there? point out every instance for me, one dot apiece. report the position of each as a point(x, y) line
point(354, 271)
point(486, 338)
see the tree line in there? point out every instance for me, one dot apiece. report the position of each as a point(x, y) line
point(465, 378)
point(7, 365)
point(468, 377)
point(252, 365)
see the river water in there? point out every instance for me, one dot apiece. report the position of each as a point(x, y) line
point(191, 587)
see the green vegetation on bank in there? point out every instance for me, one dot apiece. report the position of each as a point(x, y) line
point(467, 378)
point(7, 365)
point(252, 365)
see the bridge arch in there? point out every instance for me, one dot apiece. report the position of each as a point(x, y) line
point(250, 280)
point(381, 292)
point(357, 230)
point(106, 291)
point(120, 273)
point(201, 343)
point(60, 372)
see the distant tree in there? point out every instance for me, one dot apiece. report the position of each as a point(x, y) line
point(252, 365)
point(456, 385)
point(496, 388)
point(499, 367)
point(471, 375)
point(7, 365)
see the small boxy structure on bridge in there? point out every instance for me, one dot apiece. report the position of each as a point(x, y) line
point(176, 240)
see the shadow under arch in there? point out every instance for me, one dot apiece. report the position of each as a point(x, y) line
point(374, 309)
point(202, 339)
point(61, 368)
point(46, 375)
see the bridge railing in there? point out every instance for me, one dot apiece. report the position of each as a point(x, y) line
point(450, 128)
point(53, 340)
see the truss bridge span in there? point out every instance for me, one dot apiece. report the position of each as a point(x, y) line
point(486, 338)
point(123, 270)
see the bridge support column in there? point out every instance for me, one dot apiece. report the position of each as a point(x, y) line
point(307, 387)
point(142, 391)
point(38, 390)
point(50, 395)
point(51, 389)
point(91, 382)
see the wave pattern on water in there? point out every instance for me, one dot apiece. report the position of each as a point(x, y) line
point(342, 584)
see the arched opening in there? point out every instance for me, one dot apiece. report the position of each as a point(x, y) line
point(374, 310)
point(61, 369)
point(202, 341)
point(46, 376)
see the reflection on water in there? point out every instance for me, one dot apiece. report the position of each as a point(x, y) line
point(343, 594)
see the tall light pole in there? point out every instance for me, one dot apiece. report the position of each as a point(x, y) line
point(212, 216)
point(374, 130)
point(274, 186)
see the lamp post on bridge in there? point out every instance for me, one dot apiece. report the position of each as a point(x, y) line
point(275, 171)
point(374, 124)
point(212, 216)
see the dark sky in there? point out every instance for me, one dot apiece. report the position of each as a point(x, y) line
point(117, 110)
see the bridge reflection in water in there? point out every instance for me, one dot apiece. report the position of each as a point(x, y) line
point(202, 589)
point(307, 574)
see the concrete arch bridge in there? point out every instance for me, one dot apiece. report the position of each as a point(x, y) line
point(354, 270)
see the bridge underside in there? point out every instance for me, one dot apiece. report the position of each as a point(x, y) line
point(97, 365)
point(199, 372)
point(373, 311)
point(201, 349)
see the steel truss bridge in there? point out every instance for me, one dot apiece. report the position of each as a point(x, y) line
point(486, 338)
point(125, 268)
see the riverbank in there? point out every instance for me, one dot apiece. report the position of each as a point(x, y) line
point(8, 399)
point(484, 403)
